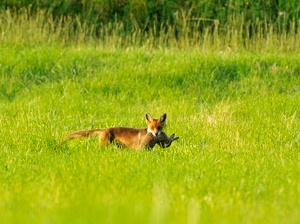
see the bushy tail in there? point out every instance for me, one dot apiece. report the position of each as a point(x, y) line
point(81, 134)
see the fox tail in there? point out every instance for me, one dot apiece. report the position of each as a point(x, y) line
point(81, 134)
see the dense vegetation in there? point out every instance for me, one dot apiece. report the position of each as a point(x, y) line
point(280, 16)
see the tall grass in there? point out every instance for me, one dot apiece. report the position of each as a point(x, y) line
point(26, 27)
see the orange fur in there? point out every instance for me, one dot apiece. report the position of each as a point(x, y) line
point(135, 138)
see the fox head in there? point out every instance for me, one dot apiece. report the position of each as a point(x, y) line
point(155, 126)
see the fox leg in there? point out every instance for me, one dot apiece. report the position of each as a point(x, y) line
point(104, 138)
point(148, 141)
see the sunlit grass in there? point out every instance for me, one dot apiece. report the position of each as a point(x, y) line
point(237, 117)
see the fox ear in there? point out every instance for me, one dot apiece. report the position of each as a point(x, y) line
point(163, 118)
point(149, 118)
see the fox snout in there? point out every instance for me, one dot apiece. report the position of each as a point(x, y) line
point(154, 132)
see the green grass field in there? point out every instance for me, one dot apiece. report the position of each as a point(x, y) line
point(236, 111)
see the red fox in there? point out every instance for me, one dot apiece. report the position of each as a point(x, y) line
point(131, 137)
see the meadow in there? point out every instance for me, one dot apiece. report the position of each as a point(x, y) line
point(236, 111)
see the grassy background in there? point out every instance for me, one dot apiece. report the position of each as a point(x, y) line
point(234, 106)
point(145, 15)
